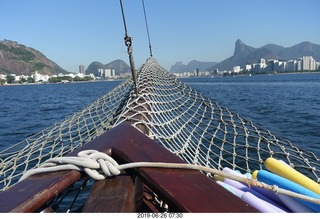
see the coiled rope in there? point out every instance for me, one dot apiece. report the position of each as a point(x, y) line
point(99, 166)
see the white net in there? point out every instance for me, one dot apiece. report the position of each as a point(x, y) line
point(63, 137)
point(182, 120)
point(202, 132)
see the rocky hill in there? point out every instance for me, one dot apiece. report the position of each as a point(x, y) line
point(118, 65)
point(21, 60)
point(244, 54)
point(179, 67)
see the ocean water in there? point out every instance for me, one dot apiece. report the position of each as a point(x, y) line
point(286, 104)
point(27, 109)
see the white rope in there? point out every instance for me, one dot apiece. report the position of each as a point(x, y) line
point(197, 129)
point(63, 137)
point(94, 162)
point(89, 161)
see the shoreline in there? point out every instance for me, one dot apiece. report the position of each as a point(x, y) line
point(250, 75)
point(71, 82)
point(230, 75)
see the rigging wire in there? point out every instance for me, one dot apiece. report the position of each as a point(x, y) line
point(146, 22)
point(123, 19)
point(128, 42)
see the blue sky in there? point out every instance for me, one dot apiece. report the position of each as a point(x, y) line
point(74, 32)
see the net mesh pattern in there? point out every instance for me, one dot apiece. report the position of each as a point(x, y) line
point(202, 132)
point(62, 137)
point(178, 117)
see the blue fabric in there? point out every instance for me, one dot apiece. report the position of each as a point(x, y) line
point(273, 179)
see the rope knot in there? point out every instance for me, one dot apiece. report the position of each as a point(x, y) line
point(96, 164)
point(104, 162)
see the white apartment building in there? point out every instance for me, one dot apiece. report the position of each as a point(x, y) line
point(39, 77)
point(236, 69)
point(292, 65)
point(248, 67)
point(107, 73)
point(308, 63)
point(299, 64)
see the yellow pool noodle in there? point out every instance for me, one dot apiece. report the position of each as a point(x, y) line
point(289, 173)
point(218, 178)
point(254, 174)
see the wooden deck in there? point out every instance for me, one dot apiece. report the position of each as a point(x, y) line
point(182, 190)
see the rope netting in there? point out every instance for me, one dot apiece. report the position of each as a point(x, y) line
point(178, 117)
point(202, 132)
point(63, 137)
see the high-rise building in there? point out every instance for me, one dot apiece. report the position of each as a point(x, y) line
point(82, 69)
point(292, 65)
point(262, 61)
point(299, 64)
point(308, 63)
point(107, 73)
point(113, 73)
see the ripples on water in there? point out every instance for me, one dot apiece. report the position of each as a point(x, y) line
point(27, 109)
point(287, 105)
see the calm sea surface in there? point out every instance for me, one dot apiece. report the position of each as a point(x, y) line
point(27, 109)
point(288, 105)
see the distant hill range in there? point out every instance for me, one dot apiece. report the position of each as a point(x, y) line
point(118, 65)
point(244, 54)
point(179, 67)
point(21, 60)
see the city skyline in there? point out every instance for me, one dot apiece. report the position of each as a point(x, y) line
point(304, 63)
point(180, 30)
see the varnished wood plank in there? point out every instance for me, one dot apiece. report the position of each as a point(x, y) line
point(184, 190)
point(112, 195)
point(33, 192)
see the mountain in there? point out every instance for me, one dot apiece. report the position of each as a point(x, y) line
point(244, 54)
point(21, 60)
point(179, 67)
point(118, 65)
point(296, 51)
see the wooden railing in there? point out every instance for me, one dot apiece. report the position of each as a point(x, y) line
point(182, 190)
